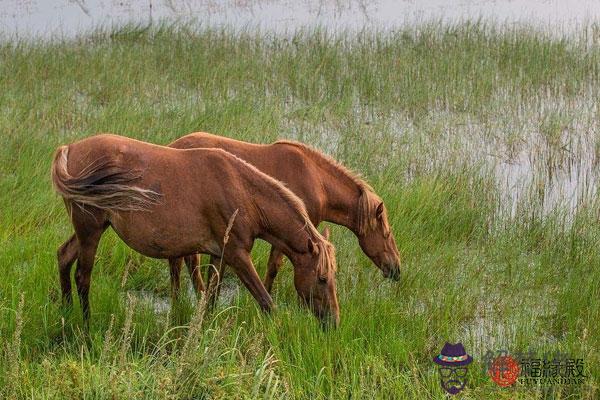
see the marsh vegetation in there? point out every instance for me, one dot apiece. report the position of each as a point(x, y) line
point(483, 140)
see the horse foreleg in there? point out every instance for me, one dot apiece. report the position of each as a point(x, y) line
point(194, 270)
point(273, 266)
point(66, 255)
point(242, 265)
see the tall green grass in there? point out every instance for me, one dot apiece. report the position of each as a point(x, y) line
point(427, 114)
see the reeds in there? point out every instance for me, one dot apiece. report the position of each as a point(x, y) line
point(481, 139)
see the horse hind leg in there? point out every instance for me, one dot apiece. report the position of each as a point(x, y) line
point(273, 266)
point(175, 267)
point(193, 267)
point(83, 273)
point(214, 277)
point(67, 254)
point(89, 227)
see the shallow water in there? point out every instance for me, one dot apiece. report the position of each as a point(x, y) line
point(160, 304)
point(47, 18)
point(543, 155)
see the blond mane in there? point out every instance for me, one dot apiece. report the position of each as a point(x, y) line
point(367, 200)
point(326, 250)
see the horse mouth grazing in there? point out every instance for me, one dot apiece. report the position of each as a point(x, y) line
point(328, 318)
point(329, 321)
point(391, 272)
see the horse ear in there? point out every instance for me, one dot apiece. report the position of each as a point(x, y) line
point(326, 233)
point(379, 211)
point(312, 247)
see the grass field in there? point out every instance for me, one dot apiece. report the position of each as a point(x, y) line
point(482, 140)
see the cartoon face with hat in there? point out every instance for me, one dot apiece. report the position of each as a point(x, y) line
point(453, 361)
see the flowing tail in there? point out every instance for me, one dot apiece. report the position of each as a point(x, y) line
point(101, 184)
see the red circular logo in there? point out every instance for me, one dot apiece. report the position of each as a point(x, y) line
point(504, 370)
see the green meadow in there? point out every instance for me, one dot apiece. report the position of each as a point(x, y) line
point(483, 140)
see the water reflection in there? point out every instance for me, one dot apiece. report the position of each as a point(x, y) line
point(48, 18)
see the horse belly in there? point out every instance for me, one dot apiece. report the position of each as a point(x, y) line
point(152, 237)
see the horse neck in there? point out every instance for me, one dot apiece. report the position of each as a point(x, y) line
point(342, 193)
point(283, 225)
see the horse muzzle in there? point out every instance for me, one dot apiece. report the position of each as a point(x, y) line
point(329, 321)
point(391, 271)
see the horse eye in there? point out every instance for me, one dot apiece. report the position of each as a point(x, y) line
point(322, 279)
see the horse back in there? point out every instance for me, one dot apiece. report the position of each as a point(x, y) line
point(288, 164)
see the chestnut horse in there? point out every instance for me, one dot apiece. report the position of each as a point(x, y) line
point(168, 203)
point(329, 191)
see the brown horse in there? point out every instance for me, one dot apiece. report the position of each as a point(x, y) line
point(168, 203)
point(329, 191)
